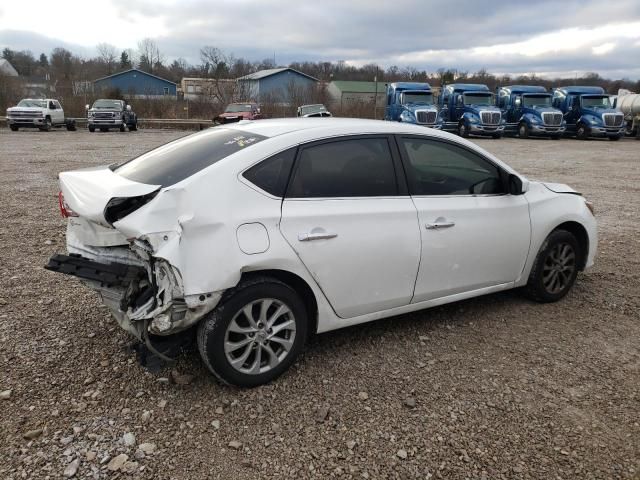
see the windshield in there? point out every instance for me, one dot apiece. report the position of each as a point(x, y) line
point(33, 103)
point(596, 101)
point(307, 109)
point(478, 99)
point(177, 160)
point(536, 100)
point(237, 107)
point(110, 104)
point(417, 97)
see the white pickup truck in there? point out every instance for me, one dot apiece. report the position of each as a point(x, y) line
point(42, 113)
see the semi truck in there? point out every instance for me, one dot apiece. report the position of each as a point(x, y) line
point(469, 109)
point(588, 113)
point(411, 102)
point(628, 103)
point(528, 112)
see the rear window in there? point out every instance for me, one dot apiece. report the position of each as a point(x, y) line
point(177, 160)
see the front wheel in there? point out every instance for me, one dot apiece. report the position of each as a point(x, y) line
point(123, 126)
point(46, 126)
point(555, 268)
point(582, 133)
point(255, 334)
point(92, 128)
point(463, 131)
point(523, 130)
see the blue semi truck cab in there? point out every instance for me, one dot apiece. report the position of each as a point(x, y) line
point(469, 109)
point(588, 112)
point(528, 112)
point(411, 102)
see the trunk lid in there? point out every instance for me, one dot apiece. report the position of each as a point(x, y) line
point(88, 191)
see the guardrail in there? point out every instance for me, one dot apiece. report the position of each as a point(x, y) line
point(182, 123)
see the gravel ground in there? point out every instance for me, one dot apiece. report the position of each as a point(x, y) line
point(495, 387)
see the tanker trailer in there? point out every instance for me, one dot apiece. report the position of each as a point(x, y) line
point(629, 104)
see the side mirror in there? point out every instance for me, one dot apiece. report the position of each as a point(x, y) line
point(128, 108)
point(518, 102)
point(516, 185)
point(459, 101)
point(86, 107)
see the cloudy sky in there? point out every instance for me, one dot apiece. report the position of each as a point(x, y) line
point(546, 37)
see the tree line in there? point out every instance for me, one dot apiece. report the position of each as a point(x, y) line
point(64, 67)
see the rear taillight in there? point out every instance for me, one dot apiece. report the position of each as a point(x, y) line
point(65, 210)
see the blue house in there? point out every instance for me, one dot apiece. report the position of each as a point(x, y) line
point(277, 85)
point(136, 83)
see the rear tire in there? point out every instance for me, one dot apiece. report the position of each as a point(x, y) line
point(254, 334)
point(555, 268)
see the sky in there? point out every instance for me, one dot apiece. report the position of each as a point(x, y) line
point(547, 37)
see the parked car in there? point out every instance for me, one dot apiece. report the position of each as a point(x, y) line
point(528, 112)
point(469, 109)
point(239, 111)
point(41, 113)
point(317, 110)
point(411, 102)
point(106, 114)
point(259, 234)
point(589, 113)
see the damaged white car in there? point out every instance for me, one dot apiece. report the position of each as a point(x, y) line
point(261, 233)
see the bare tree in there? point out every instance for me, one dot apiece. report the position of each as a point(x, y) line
point(107, 55)
point(150, 57)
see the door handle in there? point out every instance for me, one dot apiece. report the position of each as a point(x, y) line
point(307, 237)
point(439, 225)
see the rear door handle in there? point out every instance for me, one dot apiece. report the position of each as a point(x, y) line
point(307, 237)
point(439, 225)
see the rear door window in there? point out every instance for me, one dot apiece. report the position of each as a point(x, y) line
point(177, 160)
point(271, 175)
point(360, 167)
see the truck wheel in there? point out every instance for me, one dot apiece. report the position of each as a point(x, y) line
point(582, 132)
point(71, 126)
point(47, 125)
point(13, 128)
point(133, 126)
point(255, 334)
point(92, 128)
point(523, 130)
point(463, 131)
point(123, 126)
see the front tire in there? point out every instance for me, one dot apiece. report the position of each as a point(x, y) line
point(581, 132)
point(523, 130)
point(555, 268)
point(463, 131)
point(92, 128)
point(46, 127)
point(255, 333)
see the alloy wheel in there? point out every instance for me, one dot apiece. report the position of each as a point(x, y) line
point(559, 267)
point(260, 336)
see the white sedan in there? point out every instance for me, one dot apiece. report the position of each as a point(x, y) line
point(257, 234)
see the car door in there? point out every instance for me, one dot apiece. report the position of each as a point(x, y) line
point(348, 216)
point(58, 113)
point(474, 235)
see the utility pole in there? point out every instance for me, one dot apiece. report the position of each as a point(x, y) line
point(375, 96)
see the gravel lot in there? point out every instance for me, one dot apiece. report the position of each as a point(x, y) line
point(495, 387)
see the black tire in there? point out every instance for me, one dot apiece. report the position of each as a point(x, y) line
point(582, 132)
point(614, 139)
point(13, 128)
point(212, 332)
point(46, 127)
point(523, 130)
point(92, 128)
point(71, 126)
point(123, 126)
point(134, 126)
point(463, 131)
point(541, 285)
